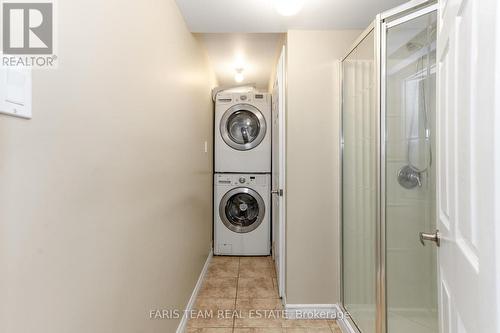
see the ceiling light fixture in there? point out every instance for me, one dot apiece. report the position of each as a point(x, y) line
point(288, 7)
point(238, 77)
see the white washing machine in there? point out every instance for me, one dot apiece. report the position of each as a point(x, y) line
point(243, 132)
point(242, 214)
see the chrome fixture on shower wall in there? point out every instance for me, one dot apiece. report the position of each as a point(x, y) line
point(409, 178)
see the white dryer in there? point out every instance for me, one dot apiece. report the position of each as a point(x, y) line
point(242, 214)
point(243, 132)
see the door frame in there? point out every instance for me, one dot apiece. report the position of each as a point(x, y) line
point(281, 76)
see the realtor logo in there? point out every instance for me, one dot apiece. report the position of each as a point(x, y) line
point(28, 34)
point(28, 28)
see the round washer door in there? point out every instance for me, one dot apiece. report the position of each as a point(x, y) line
point(243, 127)
point(242, 210)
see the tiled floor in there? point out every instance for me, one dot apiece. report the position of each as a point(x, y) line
point(236, 290)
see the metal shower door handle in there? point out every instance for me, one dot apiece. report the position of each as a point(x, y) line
point(435, 237)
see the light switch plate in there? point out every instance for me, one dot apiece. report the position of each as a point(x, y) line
point(16, 91)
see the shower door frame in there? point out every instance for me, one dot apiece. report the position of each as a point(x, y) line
point(389, 20)
point(384, 21)
point(347, 322)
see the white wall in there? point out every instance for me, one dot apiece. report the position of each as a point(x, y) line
point(105, 196)
point(313, 164)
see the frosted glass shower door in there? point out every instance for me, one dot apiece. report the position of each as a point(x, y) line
point(359, 175)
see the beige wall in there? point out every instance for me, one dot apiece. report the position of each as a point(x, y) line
point(312, 258)
point(105, 196)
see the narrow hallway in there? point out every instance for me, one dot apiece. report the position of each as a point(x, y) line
point(240, 295)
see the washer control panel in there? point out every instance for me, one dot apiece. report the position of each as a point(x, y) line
point(239, 179)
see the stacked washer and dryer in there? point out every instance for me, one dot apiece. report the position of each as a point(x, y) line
point(242, 180)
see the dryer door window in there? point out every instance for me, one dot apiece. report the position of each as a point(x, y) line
point(243, 127)
point(242, 210)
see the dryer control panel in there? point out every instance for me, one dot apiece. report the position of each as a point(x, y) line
point(226, 98)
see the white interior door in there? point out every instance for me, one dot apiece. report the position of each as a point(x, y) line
point(468, 166)
point(278, 172)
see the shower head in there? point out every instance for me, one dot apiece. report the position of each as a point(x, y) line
point(419, 42)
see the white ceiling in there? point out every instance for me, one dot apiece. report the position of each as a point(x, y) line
point(247, 33)
point(255, 53)
point(260, 16)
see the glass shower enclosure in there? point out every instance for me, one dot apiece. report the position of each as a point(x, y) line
point(388, 174)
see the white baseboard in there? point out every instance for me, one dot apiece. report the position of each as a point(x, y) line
point(182, 325)
point(312, 311)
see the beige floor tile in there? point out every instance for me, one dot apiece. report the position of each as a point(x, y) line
point(256, 262)
point(275, 284)
point(223, 267)
point(224, 260)
point(334, 326)
point(306, 323)
point(259, 313)
point(257, 267)
point(273, 265)
point(210, 330)
point(217, 287)
point(212, 312)
point(253, 282)
point(259, 330)
point(308, 330)
point(249, 270)
point(256, 288)
point(203, 303)
point(259, 304)
point(246, 287)
point(258, 322)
